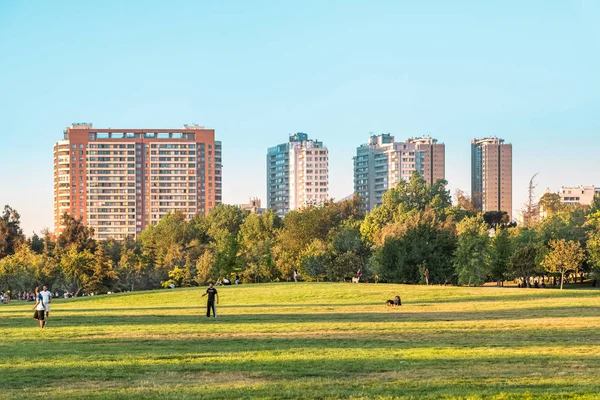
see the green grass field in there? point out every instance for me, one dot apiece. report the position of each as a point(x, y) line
point(307, 340)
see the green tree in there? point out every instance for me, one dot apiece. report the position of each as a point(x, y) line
point(593, 248)
point(389, 262)
point(131, 267)
point(569, 224)
point(101, 273)
point(496, 219)
point(52, 270)
point(550, 203)
point(21, 270)
point(167, 239)
point(181, 276)
point(593, 244)
point(501, 251)
point(564, 256)
point(343, 265)
point(87, 271)
point(77, 268)
point(314, 261)
point(528, 252)
point(257, 239)
point(224, 223)
point(11, 234)
point(595, 206)
point(299, 229)
point(522, 262)
point(347, 252)
point(75, 233)
point(472, 258)
point(189, 273)
point(149, 261)
point(113, 247)
point(36, 243)
point(205, 268)
point(423, 240)
point(406, 199)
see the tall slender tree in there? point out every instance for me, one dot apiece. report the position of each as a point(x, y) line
point(530, 213)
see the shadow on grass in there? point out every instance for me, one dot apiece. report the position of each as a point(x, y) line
point(192, 315)
point(120, 366)
point(108, 346)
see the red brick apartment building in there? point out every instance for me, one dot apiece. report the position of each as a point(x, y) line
point(119, 181)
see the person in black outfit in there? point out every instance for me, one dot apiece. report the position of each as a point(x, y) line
point(212, 293)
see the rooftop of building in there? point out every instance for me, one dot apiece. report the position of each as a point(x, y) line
point(422, 140)
point(386, 139)
point(85, 128)
point(298, 138)
point(89, 126)
point(580, 187)
point(488, 140)
point(302, 137)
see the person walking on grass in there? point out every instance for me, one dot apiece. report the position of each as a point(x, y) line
point(47, 295)
point(39, 308)
point(212, 293)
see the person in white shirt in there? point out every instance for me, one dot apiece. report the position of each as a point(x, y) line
point(39, 308)
point(47, 296)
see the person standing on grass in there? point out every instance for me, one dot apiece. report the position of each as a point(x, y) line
point(212, 293)
point(47, 295)
point(39, 308)
point(296, 275)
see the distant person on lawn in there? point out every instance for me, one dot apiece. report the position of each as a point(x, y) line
point(212, 293)
point(394, 303)
point(39, 308)
point(47, 296)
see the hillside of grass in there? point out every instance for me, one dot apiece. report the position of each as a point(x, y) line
point(307, 340)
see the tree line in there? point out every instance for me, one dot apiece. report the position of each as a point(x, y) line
point(416, 236)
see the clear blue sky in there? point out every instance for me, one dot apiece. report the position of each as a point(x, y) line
point(257, 71)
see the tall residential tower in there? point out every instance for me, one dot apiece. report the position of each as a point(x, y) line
point(297, 174)
point(491, 175)
point(381, 163)
point(119, 181)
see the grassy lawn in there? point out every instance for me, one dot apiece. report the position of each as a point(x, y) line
point(307, 340)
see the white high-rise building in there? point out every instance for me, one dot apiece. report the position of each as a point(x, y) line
point(297, 174)
point(381, 163)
